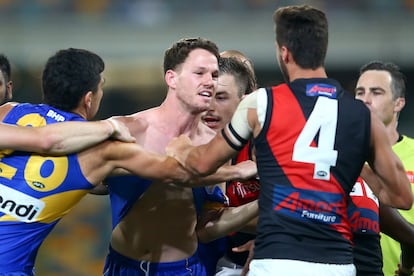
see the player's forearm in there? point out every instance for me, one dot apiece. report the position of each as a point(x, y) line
point(242, 171)
point(69, 137)
point(224, 173)
point(200, 169)
point(407, 258)
point(395, 225)
point(250, 227)
point(232, 219)
point(398, 194)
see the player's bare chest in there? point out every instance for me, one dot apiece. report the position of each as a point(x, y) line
point(156, 140)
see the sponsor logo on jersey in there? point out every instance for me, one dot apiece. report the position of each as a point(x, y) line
point(306, 204)
point(19, 205)
point(364, 221)
point(321, 89)
point(54, 115)
point(246, 188)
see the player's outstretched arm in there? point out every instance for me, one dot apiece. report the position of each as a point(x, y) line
point(242, 171)
point(180, 147)
point(207, 158)
point(229, 220)
point(135, 159)
point(406, 267)
point(397, 227)
point(393, 187)
point(61, 138)
point(75, 136)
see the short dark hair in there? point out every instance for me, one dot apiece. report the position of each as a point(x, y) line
point(5, 67)
point(304, 31)
point(179, 51)
point(398, 79)
point(244, 78)
point(69, 75)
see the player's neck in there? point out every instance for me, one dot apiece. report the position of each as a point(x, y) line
point(300, 73)
point(81, 112)
point(393, 133)
point(177, 120)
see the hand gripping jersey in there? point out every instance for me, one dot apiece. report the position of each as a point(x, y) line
point(35, 191)
point(314, 140)
point(364, 219)
point(390, 248)
point(240, 193)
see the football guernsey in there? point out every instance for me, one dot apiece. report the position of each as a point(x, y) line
point(314, 141)
point(240, 193)
point(364, 219)
point(36, 191)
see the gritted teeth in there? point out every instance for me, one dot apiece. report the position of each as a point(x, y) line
point(206, 94)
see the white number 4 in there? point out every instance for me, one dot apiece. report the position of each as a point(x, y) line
point(322, 120)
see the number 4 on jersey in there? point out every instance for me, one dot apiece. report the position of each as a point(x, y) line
point(322, 125)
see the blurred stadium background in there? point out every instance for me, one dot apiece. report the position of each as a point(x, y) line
point(131, 36)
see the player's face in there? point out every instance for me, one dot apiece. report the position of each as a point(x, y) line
point(223, 104)
point(374, 89)
point(196, 80)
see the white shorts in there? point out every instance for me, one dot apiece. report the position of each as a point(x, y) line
point(266, 267)
point(225, 267)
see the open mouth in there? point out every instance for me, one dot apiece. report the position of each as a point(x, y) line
point(211, 122)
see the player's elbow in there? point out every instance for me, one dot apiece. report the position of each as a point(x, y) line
point(208, 234)
point(407, 200)
point(405, 196)
point(402, 200)
point(49, 144)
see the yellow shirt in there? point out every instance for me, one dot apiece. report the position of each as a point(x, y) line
point(391, 250)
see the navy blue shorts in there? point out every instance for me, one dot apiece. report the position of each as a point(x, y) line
point(17, 273)
point(117, 264)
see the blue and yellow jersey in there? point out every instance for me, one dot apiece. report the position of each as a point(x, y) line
point(390, 248)
point(36, 191)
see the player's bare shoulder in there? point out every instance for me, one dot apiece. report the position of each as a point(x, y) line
point(5, 108)
point(137, 123)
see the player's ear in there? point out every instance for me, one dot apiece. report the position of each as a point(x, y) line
point(399, 104)
point(9, 90)
point(170, 78)
point(88, 99)
point(285, 54)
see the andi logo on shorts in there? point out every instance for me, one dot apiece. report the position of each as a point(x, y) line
point(321, 89)
point(19, 205)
